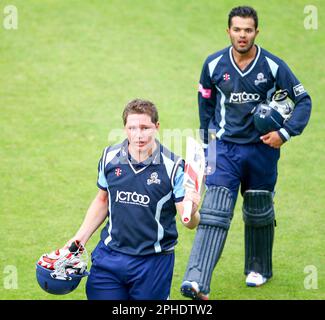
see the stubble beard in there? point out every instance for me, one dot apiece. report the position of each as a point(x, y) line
point(243, 50)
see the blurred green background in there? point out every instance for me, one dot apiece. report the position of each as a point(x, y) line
point(66, 74)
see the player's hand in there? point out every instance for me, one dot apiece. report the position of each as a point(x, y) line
point(68, 243)
point(194, 196)
point(71, 241)
point(272, 139)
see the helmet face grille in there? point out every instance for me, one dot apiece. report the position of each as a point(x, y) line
point(281, 95)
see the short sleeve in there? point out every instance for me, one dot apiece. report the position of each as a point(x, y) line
point(179, 191)
point(101, 178)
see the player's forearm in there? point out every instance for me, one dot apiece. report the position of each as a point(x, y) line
point(95, 216)
point(206, 112)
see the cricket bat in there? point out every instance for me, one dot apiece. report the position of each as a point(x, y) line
point(193, 172)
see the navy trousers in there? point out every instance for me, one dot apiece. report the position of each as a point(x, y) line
point(118, 276)
point(250, 166)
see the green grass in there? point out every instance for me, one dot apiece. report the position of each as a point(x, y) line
point(65, 76)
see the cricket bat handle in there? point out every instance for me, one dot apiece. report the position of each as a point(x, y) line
point(186, 217)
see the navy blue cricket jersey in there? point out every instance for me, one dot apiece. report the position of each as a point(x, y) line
point(228, 96)
point(141, 199)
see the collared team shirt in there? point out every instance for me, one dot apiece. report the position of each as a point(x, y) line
point(228, 96)
point(141, 199)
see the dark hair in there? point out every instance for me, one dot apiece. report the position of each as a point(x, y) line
point(244, 12)
point(139, 106)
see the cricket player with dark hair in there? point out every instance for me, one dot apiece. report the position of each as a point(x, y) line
point(140, 191)
point(234, 81)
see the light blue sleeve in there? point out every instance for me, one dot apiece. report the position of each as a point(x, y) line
point(179, 191)
point(101, 180)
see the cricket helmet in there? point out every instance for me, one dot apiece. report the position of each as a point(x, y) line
point(271, 116)
point(61, 271)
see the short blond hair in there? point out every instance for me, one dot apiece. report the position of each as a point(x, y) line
point(139, 106)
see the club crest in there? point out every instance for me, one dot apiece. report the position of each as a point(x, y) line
point(153, 179)
point(260, 79)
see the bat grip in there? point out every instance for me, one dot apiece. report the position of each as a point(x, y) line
point(186, 217)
